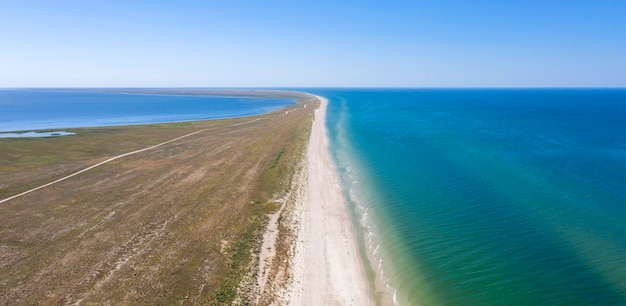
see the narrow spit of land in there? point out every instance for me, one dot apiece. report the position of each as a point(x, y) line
point(180, 223)
point(310, 254)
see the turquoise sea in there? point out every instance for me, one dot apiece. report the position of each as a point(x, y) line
point(37, 109)
point(487, 197)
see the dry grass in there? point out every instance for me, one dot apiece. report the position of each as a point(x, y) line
point(174, 225)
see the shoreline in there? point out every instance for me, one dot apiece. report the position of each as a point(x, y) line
point(310, 253)
point(327, 266)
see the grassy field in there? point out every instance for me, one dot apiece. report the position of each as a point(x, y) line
point(174, 225)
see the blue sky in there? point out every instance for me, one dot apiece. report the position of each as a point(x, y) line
point(274, 43)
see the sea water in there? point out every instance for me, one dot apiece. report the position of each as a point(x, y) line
point(487, 197)
point(27, 110)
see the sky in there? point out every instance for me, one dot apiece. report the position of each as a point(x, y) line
point(276, 43)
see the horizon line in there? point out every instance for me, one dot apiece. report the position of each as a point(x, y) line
point(313, 87)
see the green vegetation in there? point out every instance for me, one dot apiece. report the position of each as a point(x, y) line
point(277, 159)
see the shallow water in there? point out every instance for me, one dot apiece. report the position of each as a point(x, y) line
point(488, 197)
point(35, 134)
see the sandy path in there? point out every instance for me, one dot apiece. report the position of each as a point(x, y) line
point(327, 266)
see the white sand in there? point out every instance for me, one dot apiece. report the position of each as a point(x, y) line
point(326, 268)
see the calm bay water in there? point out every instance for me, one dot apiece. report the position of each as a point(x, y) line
point(44, 109)
point(488, 197)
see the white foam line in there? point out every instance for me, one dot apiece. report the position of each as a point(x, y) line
point(110, 160)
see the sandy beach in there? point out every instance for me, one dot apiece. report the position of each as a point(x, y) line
point(311, 256)
point(327, 268)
